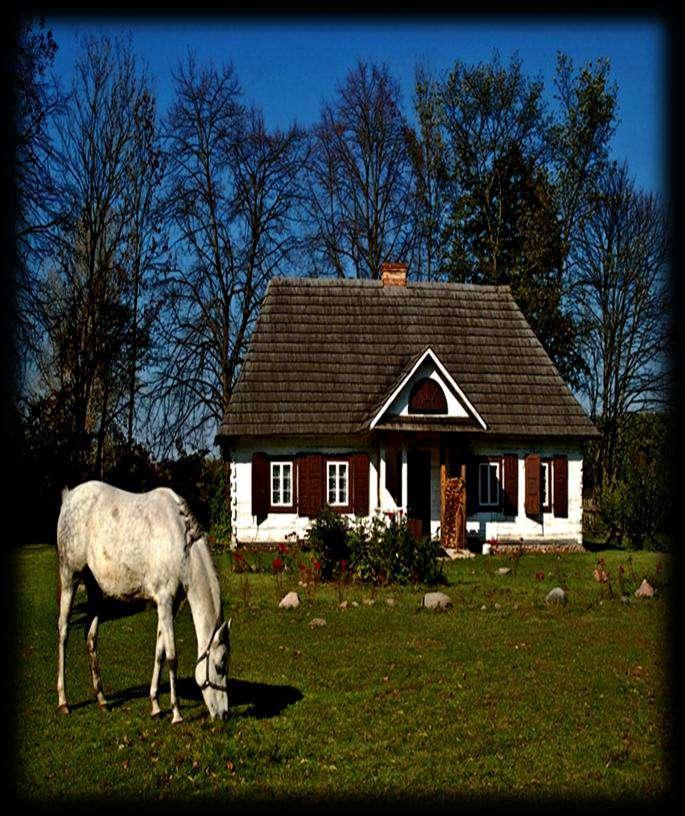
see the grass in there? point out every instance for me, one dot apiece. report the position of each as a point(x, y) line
point(526, 701)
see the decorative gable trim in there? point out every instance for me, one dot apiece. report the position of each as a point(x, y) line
point(429, 353)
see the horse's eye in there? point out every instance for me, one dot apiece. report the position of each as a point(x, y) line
point(220, 669)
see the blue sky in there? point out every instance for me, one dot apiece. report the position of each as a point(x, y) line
point(287, 66)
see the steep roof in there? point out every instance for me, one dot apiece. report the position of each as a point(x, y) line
point(326, 352)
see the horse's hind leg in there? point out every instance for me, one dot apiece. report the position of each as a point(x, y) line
point(66, 600)
point(94, 602)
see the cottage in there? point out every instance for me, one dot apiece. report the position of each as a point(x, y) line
point(431, 400)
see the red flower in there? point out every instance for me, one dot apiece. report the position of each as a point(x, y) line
point(539, 576)
point(277, 564)
point(282, 549)
point(343, 565)
point(316, 565)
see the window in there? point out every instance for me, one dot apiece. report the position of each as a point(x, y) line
point(338, 481)
point(488, 484)
point(281, 484)
point(546, 485)
point(427, 397)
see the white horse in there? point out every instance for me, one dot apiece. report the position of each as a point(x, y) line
point(133, 546)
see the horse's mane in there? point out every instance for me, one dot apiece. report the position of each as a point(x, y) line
point(192, 526)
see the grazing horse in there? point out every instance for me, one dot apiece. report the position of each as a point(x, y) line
point(133, 546)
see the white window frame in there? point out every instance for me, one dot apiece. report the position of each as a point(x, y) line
point(546, 468)
point(281, 468)
point(481, 501)
point(341, 477)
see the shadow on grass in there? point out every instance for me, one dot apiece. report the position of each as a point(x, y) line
point(263, 700)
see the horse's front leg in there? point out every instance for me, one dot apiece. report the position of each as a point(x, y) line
point(159, 659)
point(66, 600)
point(166, 622)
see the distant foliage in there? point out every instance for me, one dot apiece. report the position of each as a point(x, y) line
point(327, 537)
point(635, 508)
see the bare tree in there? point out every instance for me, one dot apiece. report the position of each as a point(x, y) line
point(233, 197)
point(427, 151)
point(101, 176)
point(621, 256)
point(359, 205)
point(36, 99)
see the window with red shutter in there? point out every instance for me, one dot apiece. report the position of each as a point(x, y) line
point(511, 485)
point(560, 475)
point(360, 483)
point(260, 485)
point(310, 484)
point(532, 469)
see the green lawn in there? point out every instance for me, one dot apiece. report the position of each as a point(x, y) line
point(525, 701)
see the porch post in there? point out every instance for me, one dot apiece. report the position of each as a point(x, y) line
point(381, 472)
point(405, 480)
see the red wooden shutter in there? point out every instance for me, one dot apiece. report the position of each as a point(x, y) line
point(532, 485)
point(359, 463)
point(311, 483)
point(471, 487)
point(561, 486)
point(260, 485)
point(511, 484)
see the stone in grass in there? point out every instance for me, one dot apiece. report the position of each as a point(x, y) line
point(498, 606)
point(290, 601)
point(483, 608)
point(316, 622)
point(504, 570)
point(645, 590)
point(344, 604)
point(391, 602)
point(556, 595)
point(436, 600)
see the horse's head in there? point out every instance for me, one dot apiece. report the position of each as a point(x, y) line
point(211, 671)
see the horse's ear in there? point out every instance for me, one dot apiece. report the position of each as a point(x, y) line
point(229, 624)
point(220, 632)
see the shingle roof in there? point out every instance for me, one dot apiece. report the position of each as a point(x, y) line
point(325, 353)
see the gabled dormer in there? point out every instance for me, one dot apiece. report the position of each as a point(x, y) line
point(427, 390)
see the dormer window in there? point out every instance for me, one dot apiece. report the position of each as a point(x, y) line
point(427, 397)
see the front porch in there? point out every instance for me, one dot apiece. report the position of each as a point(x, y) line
point(424, 476)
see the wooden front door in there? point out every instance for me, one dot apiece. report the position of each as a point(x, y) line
point(419, 492)
point(453, 511)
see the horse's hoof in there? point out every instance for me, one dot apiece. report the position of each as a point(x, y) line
point(63, 709)
point(104, 705)
point(177, 719)
point(156, 714)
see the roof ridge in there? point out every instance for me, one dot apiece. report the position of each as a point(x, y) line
point(373, 283)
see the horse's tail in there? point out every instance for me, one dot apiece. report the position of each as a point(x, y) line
point(192, 525)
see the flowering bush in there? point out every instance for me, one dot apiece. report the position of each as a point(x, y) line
point(327, 538)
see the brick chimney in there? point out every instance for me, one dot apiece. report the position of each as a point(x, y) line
point(394, 274)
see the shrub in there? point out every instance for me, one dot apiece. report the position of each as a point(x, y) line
point(388, 553)
point(327, 537)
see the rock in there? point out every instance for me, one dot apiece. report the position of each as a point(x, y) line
point(391, 602)
point(436, 600)
point(483, 608)
point(645, 590)
point(504, 570)
point(344, 605)
point(290, 601)
point(459, 553)
point(498, 606)
point(354, 603)
point(369, 601)
point(316, 622)
point(556, 595)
